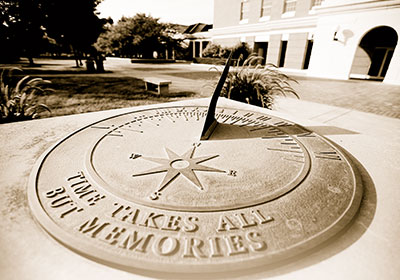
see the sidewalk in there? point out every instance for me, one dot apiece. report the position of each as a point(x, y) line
point(366, 96)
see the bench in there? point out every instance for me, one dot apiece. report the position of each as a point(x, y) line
point(160, 84)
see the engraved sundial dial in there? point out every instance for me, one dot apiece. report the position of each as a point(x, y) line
point(191, 188)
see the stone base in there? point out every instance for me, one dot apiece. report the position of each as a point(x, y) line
point(367, 249)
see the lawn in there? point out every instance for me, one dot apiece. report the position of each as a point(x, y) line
point(211, 75)
point(76, 91)
point(75, 94)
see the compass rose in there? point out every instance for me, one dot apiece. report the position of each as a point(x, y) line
point(175, 165)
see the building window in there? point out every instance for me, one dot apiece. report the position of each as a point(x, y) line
point(317, 3)
point(244, 10)
point(289, 6)
point(282, 53)
point(308, 54)
point(266, 6)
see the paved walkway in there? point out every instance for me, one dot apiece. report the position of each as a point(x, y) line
point(367, 96)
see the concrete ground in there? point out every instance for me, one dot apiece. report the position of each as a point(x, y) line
point(366, 96)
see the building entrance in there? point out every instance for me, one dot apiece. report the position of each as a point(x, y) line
point(261, 49)
point(374, 53)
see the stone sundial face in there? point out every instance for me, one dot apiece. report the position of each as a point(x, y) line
point(142, 190)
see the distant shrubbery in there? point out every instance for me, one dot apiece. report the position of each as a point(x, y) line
point(210, 60)
point(217, 51)
point(212, 50)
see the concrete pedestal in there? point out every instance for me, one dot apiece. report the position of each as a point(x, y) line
point(367, 249)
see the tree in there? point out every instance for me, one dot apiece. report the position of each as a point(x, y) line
point(73, 22)
point(26, 25)
point(133, 36)
point(21, 30)
point(174, 42)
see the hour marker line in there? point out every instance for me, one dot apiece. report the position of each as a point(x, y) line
point(294, 160)
point(274, 137)
point(329, 157)
point(133, 130)
point(282, 150)
point(260, 128)
point(100, 127)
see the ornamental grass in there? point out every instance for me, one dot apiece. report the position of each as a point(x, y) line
point(257, 84)
point(17, 98)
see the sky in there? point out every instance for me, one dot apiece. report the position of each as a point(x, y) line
point(173, 11)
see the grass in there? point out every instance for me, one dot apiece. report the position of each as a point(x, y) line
point(209, 75)
point(75, 94)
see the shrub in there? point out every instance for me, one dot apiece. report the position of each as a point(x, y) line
point(224, 52)
point(255, 84)
point(241, 49)
point(16, 102)
point(217, 51)
point(209, 60)
point(212, 50)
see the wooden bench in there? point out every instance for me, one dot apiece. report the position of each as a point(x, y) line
point(160, 84)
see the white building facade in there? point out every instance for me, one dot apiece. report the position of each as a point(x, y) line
point(331, 39)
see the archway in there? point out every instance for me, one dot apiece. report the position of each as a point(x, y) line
point(374, 53)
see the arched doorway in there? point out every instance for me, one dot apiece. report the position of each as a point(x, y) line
point(374, 53)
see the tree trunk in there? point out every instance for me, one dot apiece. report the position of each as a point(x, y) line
point(31, 62)
point(99, 64)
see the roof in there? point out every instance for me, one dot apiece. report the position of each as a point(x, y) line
point(198, 27)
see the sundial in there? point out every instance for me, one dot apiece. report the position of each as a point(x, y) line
point(194, 188)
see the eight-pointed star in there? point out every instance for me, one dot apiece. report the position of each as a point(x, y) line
point(176, 164)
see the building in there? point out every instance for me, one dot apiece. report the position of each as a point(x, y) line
point(198, 38)
point(331, 39)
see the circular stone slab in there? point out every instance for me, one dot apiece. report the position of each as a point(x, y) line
point(140, 190)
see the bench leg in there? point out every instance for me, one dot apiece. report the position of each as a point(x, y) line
point(163, 90)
